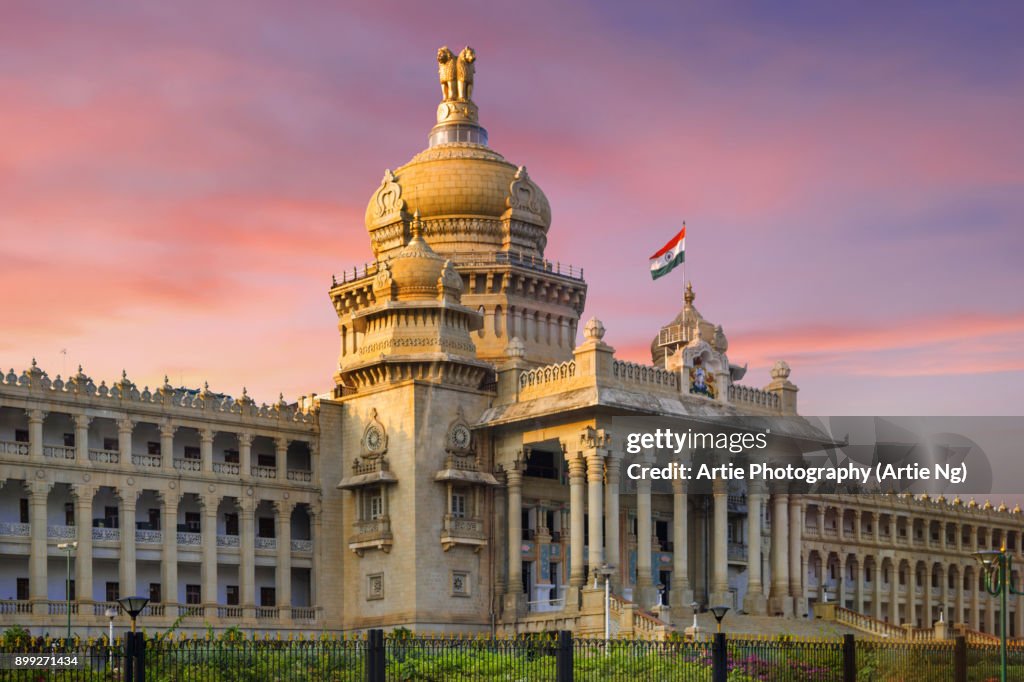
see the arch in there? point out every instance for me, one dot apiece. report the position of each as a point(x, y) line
point(498, 321)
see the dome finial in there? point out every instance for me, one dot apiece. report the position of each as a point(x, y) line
point(416, 228)
point(689, 296)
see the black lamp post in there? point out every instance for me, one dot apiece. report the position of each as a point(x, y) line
point(719, 613)
point(996, 567)
point(134, 606)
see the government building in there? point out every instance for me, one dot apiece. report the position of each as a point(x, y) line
point(461, 470)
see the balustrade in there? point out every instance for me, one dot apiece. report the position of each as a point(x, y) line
point(146, 460)
point(62, 532)
point(188, 464)
point(106, 534)
point(15, 529)
point(266, 543)
point(228, 468)
point(58, 452)
point(302, 545)
point(228, 541)
point(300, 476)
point(104, 456)
point(190, 539)
point(149, 537)
point(264, 472)
point(10, 447)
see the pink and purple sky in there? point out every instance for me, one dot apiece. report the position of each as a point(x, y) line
point(178, 181)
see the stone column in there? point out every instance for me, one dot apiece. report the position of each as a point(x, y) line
point(595, 502)
point(125, 428)
point(841, 584)
point(83, 555)
point(283, 570)
point(315, 520)
point(681, 593)
point(779, 600)
point(245, 455)
point(169, 563)
point(577, 478)
point(973, 538)
point(208, 567)
point(167, 445)
point(876, 597)
point(613, 548)
point(645, 594)
point(514, 602)
point(796, 574)
point(754, 602)
point(975, 592)
point(247, 555)
point(990, 613)
point(720, 542)
point(129, 497)
point(926, 609)
point(857, 522)
point(820, 521)
point(858, 584)
point(38, 492)
point(958, 588)
point(281, 456)
point(82, 422)
point(206, 449)
point(892, 529)
point(35, 433)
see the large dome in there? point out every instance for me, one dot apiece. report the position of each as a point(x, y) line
point(469, 197)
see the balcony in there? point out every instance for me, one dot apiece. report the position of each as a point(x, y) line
point(190, 539)
point(268, 613)
point(266, 543)
point(104, 456)
point(106, 534)
point(264, 472)
point(462, 531)
point(371, 534)
point(188, 464)
point(736, 552)
point(149, 537)
point(18, 530)
point(302, 545)
point(10, 447)
point(61, 532)
point(15, 607)
point(58, 452)
point(229, 468)
point(147, 460)
point(299, 476)
point(228, 541)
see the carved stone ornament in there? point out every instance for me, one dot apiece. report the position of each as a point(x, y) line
point(387, 200)
point(460, 439)
point(450, 280)
point(384, 283)
point(375, 438)
point(523, 194)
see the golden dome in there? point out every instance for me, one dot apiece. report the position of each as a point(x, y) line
point(988, 505)
point(972, 504)
point(1016, 509)
point(415, 269)
point(1002, 507)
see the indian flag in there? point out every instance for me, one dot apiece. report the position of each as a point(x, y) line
point(669, 256)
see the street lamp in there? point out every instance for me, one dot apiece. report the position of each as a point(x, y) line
point(607, 572)
point(719, 613)
point(111, 613)
point(68, 547)
point(134, 606)
point(996, 568)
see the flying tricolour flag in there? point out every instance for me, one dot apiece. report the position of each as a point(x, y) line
point(669, 256)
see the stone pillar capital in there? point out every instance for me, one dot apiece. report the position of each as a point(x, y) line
point(82, 421)
point(209, 502)
point(283, 507)
point(129, 497)
point(245, 439)
point(591, 438)
point(36, 416)
point(246, 507)
point(38, 490)
point(514, 476)
point(206, 435)
point(281, 443)
point(167, 429)
point(170, 498)
point(577, 466)
point(83, 492)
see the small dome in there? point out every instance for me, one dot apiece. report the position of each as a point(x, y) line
point(416, 268)
point(972, 504)
point(957, 501)
point(988, 505)
point(1016, 509)
point(1002, 507)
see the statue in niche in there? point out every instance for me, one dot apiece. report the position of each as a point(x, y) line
point(702, 382)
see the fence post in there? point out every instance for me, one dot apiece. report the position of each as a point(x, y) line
point(719, 658)
point(849, 659)
point(563, 657)
point(960, 659)
point(129, 657)
point(375, 656)
point(140, 657)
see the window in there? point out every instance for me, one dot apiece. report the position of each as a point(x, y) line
point(23, 510)
point(231, 456)
point(231, 523)
point(71, 590)
point(154, 519)
point(867, 574)
point(69, 440)
point(191, 452)
point(268, 596)
point(376, 506)
point(110, 444)
point(21, 435)
point(903, 578)
point(266, 461)
point(541, 464)
point(110, 518)
point(69, 513)
point(193, 594)
point(192, 522)
point(266, 527)
point(22, 588)
point(154, 593)
point(951, 581)
point(460, 584)
point(458, 505)
point(113, 591)
point(153, 448)
point(375, 586)
point(231, 595)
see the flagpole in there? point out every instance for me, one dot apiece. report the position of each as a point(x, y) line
point(684, 270)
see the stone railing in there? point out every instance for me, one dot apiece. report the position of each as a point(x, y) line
point(149, 537)
point(299, 475)
point(266, 543)
point(106, 534)
point(62, 532)
point(229, 612)
point(647, 626)
point(146, 460)
point(302, 545)
point(228, 541)
point(304, 613)
point(974, 636)
point(229, 468)
point(268, 612)
point(737, 551)
point(188, 464)
point(460, 527)
point(15, 607)
point(264, 472)
point(10, 447)
point(15, 529)
point(644, 374)
point(58, 451)
point(369, 466)
point(60, 608)
point(476, 258)
point(191, 611)
point(190, 539)
point(859, 621)
point(746, 395)
point(154, 610)
point(104, 456)
point(547, 374)
point(100, 608)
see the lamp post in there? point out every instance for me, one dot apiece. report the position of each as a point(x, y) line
point(606, 572)
point(111, 614)
point(719, 613)
point(134, 606)
point(68, 547)
point(996, 568)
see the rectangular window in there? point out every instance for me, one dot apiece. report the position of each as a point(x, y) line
point(231, 595)
point(21, 435)
point(154, 519)
point(113, 591)
point(458, 505)
point(231, 456)
point(110, 444)
point(266, 461)
point(110, 517)
point(192, 524)
point(191, 452)
point(69, 440)
point(542, 464)
point(23, 510)
point(152, 448)
point(867, 574)
point(268, 596)
point(22, 589)
point(265, 526)
point(154, 593)
point(376, 506)
point(193, 594)
point(69, 513)
point(231, 523)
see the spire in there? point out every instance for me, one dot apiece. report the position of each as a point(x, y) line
point(689, 296)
